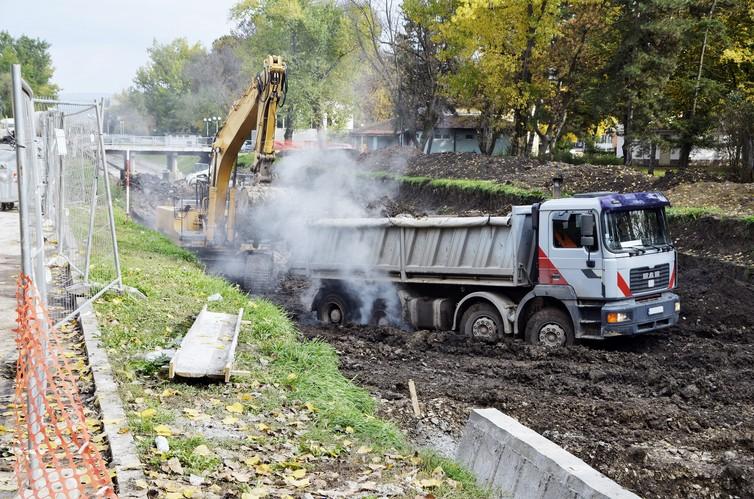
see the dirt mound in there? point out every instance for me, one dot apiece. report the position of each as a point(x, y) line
point(687, 176)
point(729, 197)
point(392, 159)
point(150, 191)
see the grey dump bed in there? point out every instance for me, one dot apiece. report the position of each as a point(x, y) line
point(454, 250)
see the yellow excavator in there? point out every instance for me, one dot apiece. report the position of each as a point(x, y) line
point(208, 221)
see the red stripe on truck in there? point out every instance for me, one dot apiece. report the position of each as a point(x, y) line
point(671, 282)
point(624, 288)
point(548, 272)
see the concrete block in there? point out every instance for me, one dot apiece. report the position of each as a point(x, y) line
point(516, 461)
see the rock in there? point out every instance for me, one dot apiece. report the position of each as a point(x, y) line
point(215, 297)
point(159, 356)
point(690, 391)
point(196, 480)
point(162, 444)
point(729, 456)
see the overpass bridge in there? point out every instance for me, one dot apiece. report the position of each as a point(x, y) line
point(171, 146)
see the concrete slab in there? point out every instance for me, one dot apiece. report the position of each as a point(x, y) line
point(516, 461)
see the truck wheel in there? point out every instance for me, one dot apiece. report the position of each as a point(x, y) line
point(482, 322)
point(549, 327)
point(334, 309)
point(9, 206)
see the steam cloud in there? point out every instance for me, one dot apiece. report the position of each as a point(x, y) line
point(316, 185)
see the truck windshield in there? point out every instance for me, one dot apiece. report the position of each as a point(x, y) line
point(627, 230)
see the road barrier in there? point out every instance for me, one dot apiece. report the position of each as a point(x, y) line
point(68, 252)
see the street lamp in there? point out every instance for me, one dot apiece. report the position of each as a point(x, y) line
point(206, 126)
point(217, 123)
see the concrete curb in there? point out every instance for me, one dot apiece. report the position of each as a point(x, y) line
point(125, 458)
point(516, 461)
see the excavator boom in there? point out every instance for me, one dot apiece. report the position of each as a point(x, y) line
point(255, 110)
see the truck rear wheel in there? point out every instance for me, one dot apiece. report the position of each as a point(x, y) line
point(549, 327)
point(482, 321)
point(335, 309)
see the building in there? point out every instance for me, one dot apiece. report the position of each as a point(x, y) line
point(453, 133)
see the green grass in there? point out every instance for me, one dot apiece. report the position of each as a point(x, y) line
point(486, 186)
point(299, 371)
point(694, 212)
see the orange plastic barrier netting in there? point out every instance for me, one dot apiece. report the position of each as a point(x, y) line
point(55, 456)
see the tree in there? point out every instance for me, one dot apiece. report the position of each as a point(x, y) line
point(164, 84)
point(314, 39)
point(36, 65)
point(646, 42)
point(402, 46)
point(500, 51)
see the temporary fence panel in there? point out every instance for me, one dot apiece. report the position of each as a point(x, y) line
point(69, 251)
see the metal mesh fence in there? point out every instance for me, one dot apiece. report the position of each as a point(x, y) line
point(69, 257)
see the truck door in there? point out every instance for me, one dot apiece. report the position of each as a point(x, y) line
point(575, 264)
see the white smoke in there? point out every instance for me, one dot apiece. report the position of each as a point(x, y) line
point(319, 185)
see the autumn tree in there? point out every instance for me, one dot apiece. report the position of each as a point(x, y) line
point(500, 49)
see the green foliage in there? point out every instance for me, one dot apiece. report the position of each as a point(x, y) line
point(36, 67)
point(486, 186)
point(316, 43)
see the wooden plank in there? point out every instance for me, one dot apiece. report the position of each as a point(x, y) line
point(231, 357)
point(208, 347)
point(414, 398)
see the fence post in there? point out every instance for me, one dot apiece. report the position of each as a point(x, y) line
point(21, 167)
point(92, 208)
point(100, 119)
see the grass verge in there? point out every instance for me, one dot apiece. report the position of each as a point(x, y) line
point(486, 186)
point(286, 373)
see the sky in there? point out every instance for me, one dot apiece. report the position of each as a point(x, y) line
point(97, 46)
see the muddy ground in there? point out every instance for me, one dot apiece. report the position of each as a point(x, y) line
point(669, 414)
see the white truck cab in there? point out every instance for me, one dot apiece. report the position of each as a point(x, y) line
point(609, 259)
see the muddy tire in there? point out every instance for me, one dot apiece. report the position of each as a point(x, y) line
point(334, 308)
point(550, 327)
point(9, 206)
point(482, 322)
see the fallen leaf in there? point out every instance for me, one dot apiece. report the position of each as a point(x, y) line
point(235, 408)
point(163, 430)
point(262, 427)
point(300, 473)
point(230, 420)
point(202, 451)
point(363, 450)
point(263, 469)
point(253, 461)
point(175, 466)
point(428, 483)
point(349, 429)
point(147, 413)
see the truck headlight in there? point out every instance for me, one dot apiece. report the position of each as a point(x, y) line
point(677, 307)
point(613, 317)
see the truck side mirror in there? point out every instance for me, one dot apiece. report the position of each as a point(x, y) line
point(587, 230)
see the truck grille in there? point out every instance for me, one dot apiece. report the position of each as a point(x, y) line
point(650, 278)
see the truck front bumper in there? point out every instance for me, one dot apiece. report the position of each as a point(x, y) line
point(642, 316)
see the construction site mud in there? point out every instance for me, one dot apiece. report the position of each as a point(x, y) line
point(667, 414)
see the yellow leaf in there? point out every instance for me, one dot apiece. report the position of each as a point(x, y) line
point(262, 427)
point(201, 450)
point(147, 413)
point(173, 495)
point(246, 397)
point(310, 407)
point(300, 484)
point(438, 472)
point(347, 443)
point(430, 482)
point(300, 473)
point(168, 392)
point(163, 430)
point(292, 377)
point(229, 420)
point(349, 429)
point(253, 461)
point(263, 469)
point(236, 408)
point(363, 450)
point(255, 493)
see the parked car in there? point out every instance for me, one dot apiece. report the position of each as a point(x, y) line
point(8, 179)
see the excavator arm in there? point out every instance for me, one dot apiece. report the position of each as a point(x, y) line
point(255, 110)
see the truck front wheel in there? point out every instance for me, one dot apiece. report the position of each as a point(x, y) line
point(482, 322)
point(549, 327)
point(334, 309)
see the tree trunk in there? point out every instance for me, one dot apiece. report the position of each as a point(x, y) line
point(519, 134)
point(747, 159)
point(652, 155)
point(288, 135)
point(627, 135)
point(685, 152)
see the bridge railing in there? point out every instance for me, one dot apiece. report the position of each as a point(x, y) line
point(158, 140)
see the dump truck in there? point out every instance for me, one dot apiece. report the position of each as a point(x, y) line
point(590, 266)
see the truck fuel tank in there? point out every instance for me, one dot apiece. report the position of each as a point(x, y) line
point(430, 313)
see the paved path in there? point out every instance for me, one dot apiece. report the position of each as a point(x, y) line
point(10, 266)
